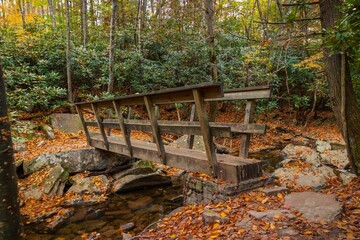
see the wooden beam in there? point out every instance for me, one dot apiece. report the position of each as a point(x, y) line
point(155, 128)
point(123, 128)
point(100, 125)
point(245, 138)
point(190, 138)
point(164, 96)
point(185, 127)
point(206, 133)
point(157, 116)
point(86, 130)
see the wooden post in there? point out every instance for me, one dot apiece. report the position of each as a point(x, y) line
point(100, 125)
point(155, 128)
point(245, 138)
point(190, 138)
point(157, 116)
point(86, 130)
point(123, 127)
point(206, 133)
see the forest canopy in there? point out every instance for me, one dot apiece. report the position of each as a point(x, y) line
point(159, 44)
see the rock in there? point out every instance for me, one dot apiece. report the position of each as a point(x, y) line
point(48, 131)
point(134, 171)
point(244, 223)
point(287, 232)
point(337, 158)
point(346, 177)
point(284, 162)
point(128, 226)
point(270, 214)
point(275, 191)
point(305, 153)
point(337, 146)
point(140, 203)
point(210, 216)
point(66, 122)
point(62, 216)
point(80, 201)
point(20, 146)
point(315, 177)
point(182, 142)
point(132, 182)
point(316, 207)
point(76, 160)
point(52, 185)
point(94, 185)
point(126, 236)
point(322, 146)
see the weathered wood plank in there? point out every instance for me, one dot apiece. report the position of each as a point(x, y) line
point(100, 125)
point(231, 168)
point(205, 132)
point(86, 130)
point(157, 117)
point(164, 96)
point(245, 138)
point(186, 127)
point(190, 138)
point(123, 128)
point(155, 128)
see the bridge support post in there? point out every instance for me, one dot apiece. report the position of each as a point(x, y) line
point(206, 132)
point(155, 128)
point(245, 138)
point(123, 128)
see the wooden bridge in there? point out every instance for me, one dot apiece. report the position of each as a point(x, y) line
point(232, 168)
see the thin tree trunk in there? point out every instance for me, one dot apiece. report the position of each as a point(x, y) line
point(10, 221)
point(68, 53)
point(52, 13)
point(210, 18)
point(21, 10)
point(337, 71)
point(112, 46)
point(138, 26)
point(84, 22)
point(264, 24)
point(210, 38)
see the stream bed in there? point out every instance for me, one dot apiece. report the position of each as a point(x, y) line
point(136, 210)
point(139, 208)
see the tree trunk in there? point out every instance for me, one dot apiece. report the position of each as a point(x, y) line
point(84, 22)
point(210, 38)
point(68, 53)
point(263, 20)
point(10, 221)
point(52, 13)
point(21, 9)
point(337, 69)
point(112, 45)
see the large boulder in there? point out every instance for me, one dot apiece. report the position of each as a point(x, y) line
point(76, 160)
point(317, 207)
point(337, 158)
point(322, 146)
point(66, 122)
point(315, 177)
point(52, 184)
point(94, 185)
point(300, 152)
point(134, 182)
point(182, 142)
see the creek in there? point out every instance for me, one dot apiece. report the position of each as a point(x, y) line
point(141, 208)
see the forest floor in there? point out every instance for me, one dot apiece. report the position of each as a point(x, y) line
point(187, 222)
